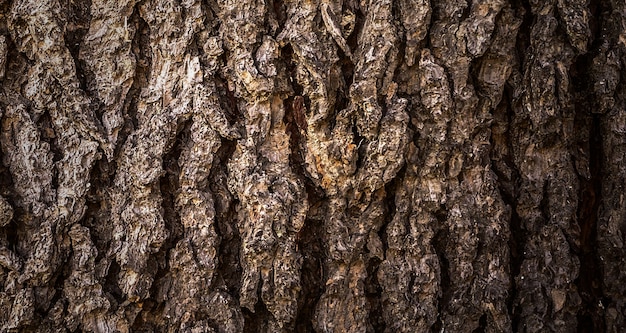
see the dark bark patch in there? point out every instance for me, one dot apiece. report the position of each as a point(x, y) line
point(110, 285)
point(311, 247)
point(522, 7)
point(228, 270)
point(373, 292)
point(589, 282)
point(256, 321)
point(439, 244)
point(169, 186)
point(482, 324)
point(140, 47)
point(78, 17)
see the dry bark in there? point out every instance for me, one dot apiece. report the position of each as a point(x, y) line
point(312, 166)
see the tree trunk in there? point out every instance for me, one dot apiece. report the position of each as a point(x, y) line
point(313, 166)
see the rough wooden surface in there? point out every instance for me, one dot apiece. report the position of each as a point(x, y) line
point(312, 166)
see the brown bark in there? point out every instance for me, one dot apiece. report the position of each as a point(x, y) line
point(312, 166)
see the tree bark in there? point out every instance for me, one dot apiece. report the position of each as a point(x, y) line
point(313, 166)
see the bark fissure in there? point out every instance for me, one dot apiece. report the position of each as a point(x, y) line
point(590, 155)
point(589, 282)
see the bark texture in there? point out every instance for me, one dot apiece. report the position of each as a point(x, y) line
point(313, 166)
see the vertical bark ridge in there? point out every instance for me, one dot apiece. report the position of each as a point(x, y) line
point(411, 260)
point(476, 215)
point(356, 203)
point(607, 75)
point(410, 268)
point(109, 61)
point(547, 295)
point(327, 156)
point(193, 260)
point(272, 199)
point(54, 93)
